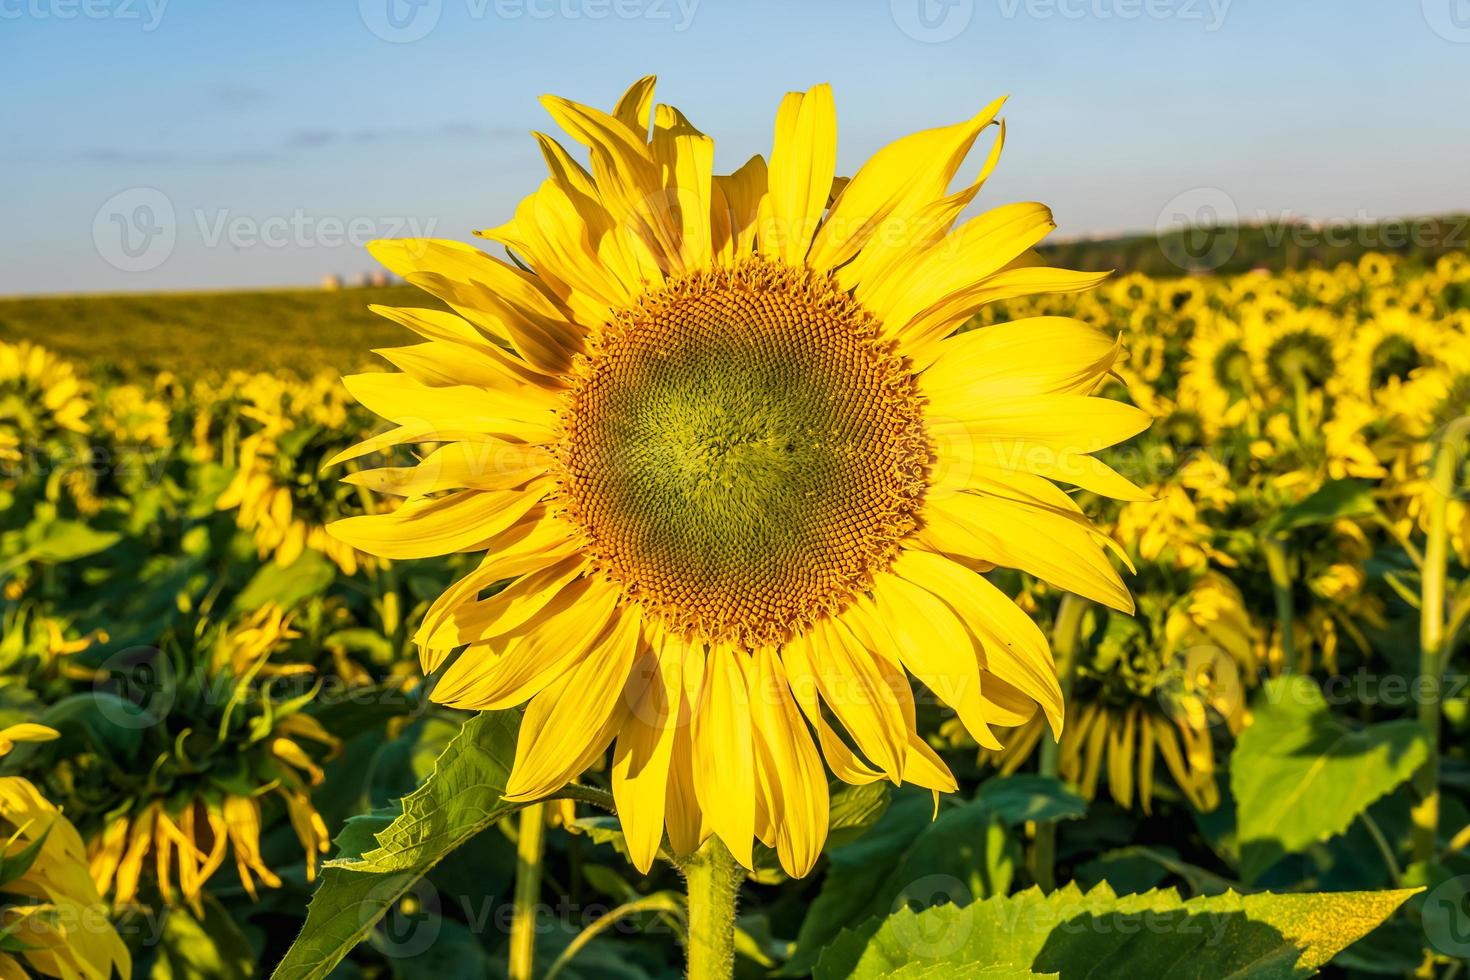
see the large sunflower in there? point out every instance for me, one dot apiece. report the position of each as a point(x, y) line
point(715, 434)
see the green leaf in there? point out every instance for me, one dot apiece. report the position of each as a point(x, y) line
point(360, 832)
point(212, 949)
point(1097, 933)
point(459, 799)
point(1334, 500)
point(307, 576)
point(1026, 797)
point(1300, 776)
point(14, 866)
point(908, 857)
point(61, 541)
point(854, 810)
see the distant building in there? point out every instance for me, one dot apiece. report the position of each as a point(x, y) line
point(331, 282)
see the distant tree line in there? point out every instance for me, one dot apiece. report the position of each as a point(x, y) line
point(1273, 245)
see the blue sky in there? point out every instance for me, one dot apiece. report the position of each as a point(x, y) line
point(194, 144)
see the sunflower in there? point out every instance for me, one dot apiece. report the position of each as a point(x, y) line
point(1217, 381)
point(43, 422)
point(1155, 687)
point(222, 744)
point(52, 920)
point(41, 397)
point(736, 471)
point(1386, 353)
point(277, 492)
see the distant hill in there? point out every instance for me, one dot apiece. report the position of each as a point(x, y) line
point(1229, 249)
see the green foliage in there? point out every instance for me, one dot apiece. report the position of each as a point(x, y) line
point(908, 855)
point(460, 798)
point(1076, 933)
point(1300, 775)
point(211, 948)
point(1335, 500)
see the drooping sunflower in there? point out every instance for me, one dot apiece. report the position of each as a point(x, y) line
point(53, 923)
point(735, 476)
point(224, 737)
point(1165, 685)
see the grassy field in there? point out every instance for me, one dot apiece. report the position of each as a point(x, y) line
point(202, 334)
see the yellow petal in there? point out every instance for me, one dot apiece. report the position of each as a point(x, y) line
point(501, 674)
point(803, 163)
point(435, 526)
point(789, 770)
point(640, 770)
point(1020, 531)
point(802, 678)
point(724, 752)
point(1014, 649)
point(685, 157)
point(896, 183)
point(934, 646)
point(572, 721)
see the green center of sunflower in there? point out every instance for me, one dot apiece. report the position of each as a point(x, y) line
point(1233, 369)
point(743, 452)
point(1395, 357)
point(1300, 355)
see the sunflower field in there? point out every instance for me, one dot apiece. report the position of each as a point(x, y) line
point(237, 720)
point(752, 574)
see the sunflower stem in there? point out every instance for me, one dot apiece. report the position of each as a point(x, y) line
point(1274, 547)
point(1432, 657)
point(712, 878)
point(530, 845)
point(1066, 631)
